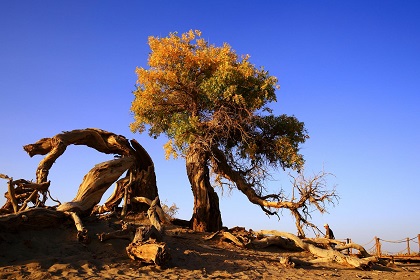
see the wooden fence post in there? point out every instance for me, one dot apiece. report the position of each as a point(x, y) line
point(378, 246)
point(418, 241)
point(408, 245)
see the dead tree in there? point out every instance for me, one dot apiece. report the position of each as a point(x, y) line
point(329, 254)
point(316, 246)
point(141, 172)
point(148, 245)
point(94, 185)
point(34, 218)
point(19, 193)
point(146, 240)
point(139, 181)
point(308, 193)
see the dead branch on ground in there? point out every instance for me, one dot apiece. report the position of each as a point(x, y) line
point(327, 255)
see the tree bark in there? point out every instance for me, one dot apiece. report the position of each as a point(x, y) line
point(310, 193)
point(326, 255)
point(227, 235)
point(20, 193)
point(147, 245)
point(101, 140)
point(206, 214)
point(94, 185)
point(144, 184)
point(149, 252)
point(149, 202)
point(35, 218)
point(143, 176)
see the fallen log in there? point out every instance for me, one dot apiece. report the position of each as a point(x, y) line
point(226, 235)
point(147, 246)
point(326, 255)
point(127, 232)
point(358, 247)
point(34, 218)
point(273, 240)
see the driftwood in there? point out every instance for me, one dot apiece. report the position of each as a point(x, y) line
point(273, 241)
point(127, 232)
point(146, 245)
point(249, 239)
point(319, 247)
point(153, 215)
point(326, 255)
point(358, 247)
point(139, 181)
point(19, 193)
point(34, 218)
point(288, 261)
point(94, 185)
point(54, 147)
point(226, 235)
point(82, 232)
point(11, 191)
point(149, 252)
point(149, 202)
point(145, 233)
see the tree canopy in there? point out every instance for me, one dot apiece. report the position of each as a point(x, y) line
point(207, 97)
point(196, 92)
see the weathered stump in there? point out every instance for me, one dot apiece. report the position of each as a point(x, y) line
point(149, 252)
point(146, 247)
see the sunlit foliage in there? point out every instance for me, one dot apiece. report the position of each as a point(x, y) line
point(195, 92)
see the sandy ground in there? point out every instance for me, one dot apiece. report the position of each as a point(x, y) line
point(55, 253)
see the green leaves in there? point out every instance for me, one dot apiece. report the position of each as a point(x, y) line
point(196, 92)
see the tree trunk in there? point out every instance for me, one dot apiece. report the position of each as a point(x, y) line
point(143, 182)
point(95, 183)
point(206, 214)
point(139, 181)
point(145, 179)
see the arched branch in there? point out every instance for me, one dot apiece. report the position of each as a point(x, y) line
point(100, 140)
point(95, 183)
point(311, 192)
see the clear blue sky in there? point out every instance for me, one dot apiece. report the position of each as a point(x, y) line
point(349, 69)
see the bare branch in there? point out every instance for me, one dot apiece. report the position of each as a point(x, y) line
point(312, 193)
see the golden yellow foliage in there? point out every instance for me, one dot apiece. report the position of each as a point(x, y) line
point(195, 91)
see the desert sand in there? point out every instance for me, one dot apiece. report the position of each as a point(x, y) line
point(55, 253)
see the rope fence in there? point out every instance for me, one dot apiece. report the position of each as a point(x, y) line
point(377, 248)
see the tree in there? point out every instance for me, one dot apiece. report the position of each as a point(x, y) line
point(140, 180)
point(213, 107)
point(139, 184)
